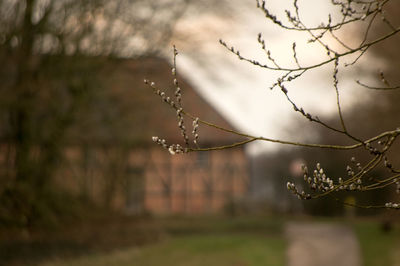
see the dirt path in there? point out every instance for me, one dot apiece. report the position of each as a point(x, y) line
point(316, 244)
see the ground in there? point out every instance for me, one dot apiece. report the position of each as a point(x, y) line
point(328, 244)
point(191, 241)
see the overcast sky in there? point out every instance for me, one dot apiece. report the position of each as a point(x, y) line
point(239, 90)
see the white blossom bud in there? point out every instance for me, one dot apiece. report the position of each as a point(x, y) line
point(171, 150)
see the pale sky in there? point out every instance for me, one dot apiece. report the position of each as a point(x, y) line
point(239, 90)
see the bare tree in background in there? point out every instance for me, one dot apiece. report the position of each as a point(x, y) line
point(380, 148)
point(47, 80)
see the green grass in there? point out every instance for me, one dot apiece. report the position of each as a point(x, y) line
point(378, 247)
point(195, 250)
point(198, 242)
point(190, 241)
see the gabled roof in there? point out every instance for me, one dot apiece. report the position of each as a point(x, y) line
point(144, 113)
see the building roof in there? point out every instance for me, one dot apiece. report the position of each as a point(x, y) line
point(140, 114)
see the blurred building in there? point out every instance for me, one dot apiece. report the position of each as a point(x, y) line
point(119, 165)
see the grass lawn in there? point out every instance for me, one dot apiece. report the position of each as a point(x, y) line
point(378, 247)
point(194, 250)
point(198, 242)
point(179, 241)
